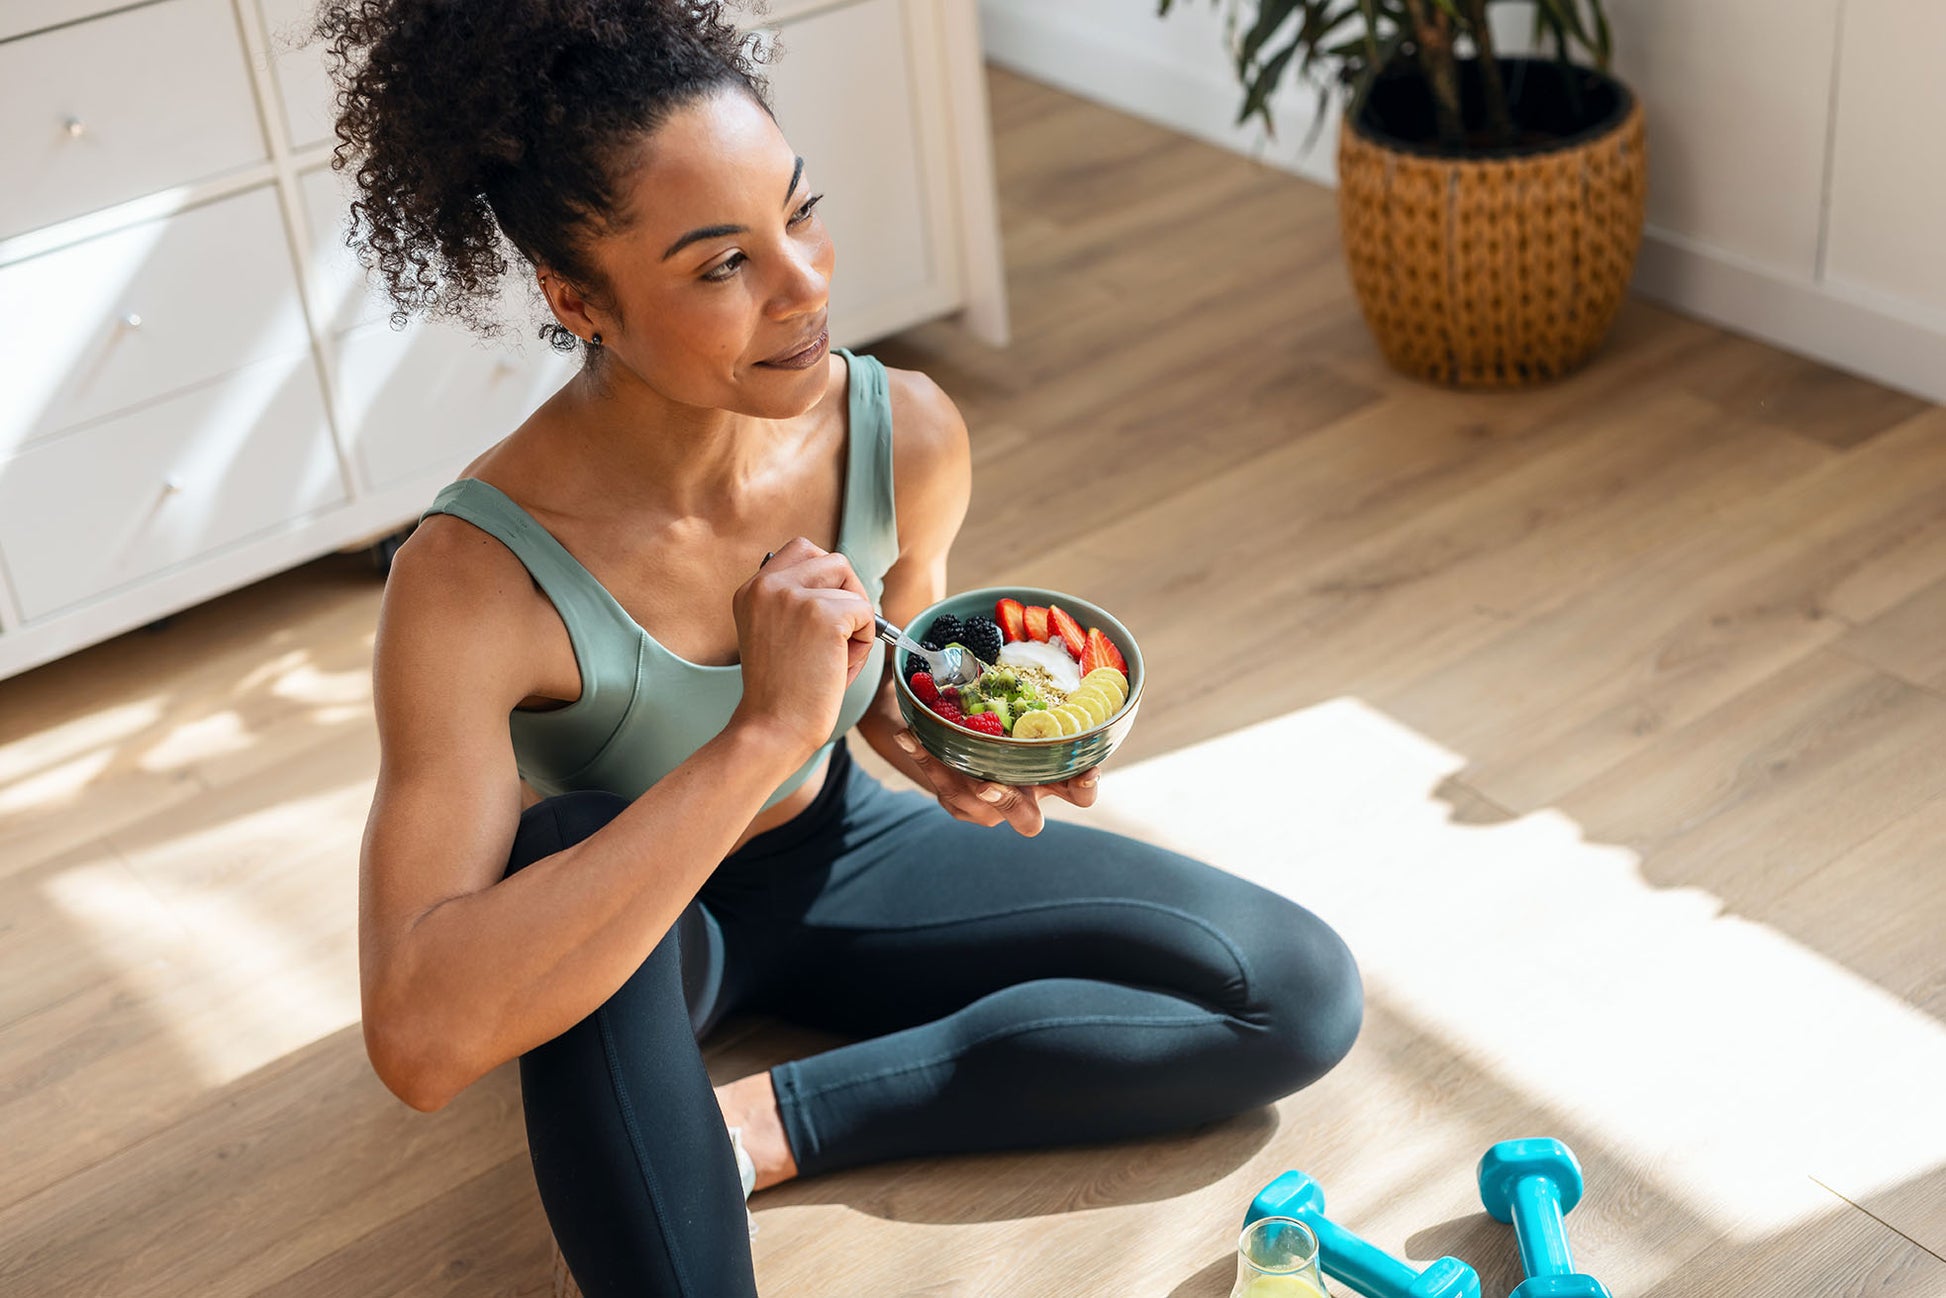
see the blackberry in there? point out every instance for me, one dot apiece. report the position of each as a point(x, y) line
point(945, 630)
point(982, 636)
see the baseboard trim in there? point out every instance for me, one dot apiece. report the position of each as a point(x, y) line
point(1828, 322)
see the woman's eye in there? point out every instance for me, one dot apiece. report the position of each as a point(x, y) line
point(730, 264)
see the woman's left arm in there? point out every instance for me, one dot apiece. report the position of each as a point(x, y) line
point(933, 476)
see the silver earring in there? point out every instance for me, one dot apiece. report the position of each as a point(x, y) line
point(595, 341)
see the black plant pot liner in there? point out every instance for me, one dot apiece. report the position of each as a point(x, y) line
point(1398, 113)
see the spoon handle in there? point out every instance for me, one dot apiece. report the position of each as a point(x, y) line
point(898, 639)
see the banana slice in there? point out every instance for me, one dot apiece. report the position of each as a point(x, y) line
point(1107, 677)
point(1067, 718)
point(1037, 725)
point(1082, 719)
point(1098, 708)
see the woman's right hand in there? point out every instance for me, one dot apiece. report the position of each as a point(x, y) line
point(804, 630)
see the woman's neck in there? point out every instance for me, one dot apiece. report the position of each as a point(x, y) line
point(641, 450)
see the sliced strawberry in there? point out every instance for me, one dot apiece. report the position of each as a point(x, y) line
point(1068, 629)
point(1101, 652)
point(1011, 614)
point(1036, 618)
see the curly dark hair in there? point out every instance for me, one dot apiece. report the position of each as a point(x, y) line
point(472, 119)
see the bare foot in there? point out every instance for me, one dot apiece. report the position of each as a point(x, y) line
point(751, 1103)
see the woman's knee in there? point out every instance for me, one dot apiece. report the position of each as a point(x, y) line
point(1305, 993)
point(559, 822)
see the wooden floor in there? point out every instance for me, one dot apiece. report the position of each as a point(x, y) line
point(1608, 721)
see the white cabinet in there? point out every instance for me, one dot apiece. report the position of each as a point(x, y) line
point(845, 95)
point(389, 387)
point(303, 82)
point(87, 513)
point(119, 106)
point(126, 317)
point(198, 387)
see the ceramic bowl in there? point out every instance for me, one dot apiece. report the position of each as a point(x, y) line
point(1020, 761)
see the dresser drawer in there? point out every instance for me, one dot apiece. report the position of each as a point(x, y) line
point(111, 322)
point(120, 106)
point(19, 17)
point(339, 287)
point(304, 86)
point(433, 396)
point(131, 496)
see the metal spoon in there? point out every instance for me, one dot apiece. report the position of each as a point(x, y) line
point(949, 666)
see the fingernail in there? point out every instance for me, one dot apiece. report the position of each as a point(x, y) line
point(990, 794)
point(904, 740)
point(1089, 781)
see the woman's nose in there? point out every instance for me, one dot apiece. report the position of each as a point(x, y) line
point(806, 285)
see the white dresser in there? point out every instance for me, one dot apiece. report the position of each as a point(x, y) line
point(197, 388)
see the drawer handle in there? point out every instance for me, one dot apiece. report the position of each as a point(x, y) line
point(76, 128)
point(132, 320)
point(172, 484)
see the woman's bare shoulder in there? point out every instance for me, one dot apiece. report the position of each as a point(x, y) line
point(932, 470)
point(456, 593)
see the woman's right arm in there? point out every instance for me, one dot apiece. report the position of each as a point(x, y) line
point(462, 970)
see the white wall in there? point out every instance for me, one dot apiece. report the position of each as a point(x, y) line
point(1797, 189)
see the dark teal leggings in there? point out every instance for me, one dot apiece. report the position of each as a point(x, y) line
point(1008, 993)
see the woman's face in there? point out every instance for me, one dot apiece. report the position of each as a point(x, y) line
point(722, 276)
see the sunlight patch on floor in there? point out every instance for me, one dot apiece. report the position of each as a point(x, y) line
point(44, 748)
point(198, 740)
point(304, 683)
point(55, 785)
point(1732, 1060)
point(265, 908)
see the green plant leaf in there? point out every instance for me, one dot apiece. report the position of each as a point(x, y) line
point(1256, 100)
point(1319, 26)
point(1370, 9)
point(1271, 15)
point(1566, 16)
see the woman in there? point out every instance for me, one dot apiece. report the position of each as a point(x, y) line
point(618, 665)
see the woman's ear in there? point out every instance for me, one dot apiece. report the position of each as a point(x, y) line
point(568, 305)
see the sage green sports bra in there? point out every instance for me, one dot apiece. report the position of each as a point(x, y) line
point(643, 710)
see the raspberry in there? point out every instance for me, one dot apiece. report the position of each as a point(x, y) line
point(924, 686)
point(948, 709)
point(986, 723)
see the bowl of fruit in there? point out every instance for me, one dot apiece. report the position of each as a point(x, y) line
point(1058, 691)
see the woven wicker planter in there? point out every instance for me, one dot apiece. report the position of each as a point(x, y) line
point(1493, 271)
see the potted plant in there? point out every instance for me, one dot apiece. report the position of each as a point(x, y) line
point(1491, 207)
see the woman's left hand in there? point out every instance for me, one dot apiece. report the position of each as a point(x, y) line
point(982, 802)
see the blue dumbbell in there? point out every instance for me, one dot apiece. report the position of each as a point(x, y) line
point(1534, 1184)
point(1344, 1256)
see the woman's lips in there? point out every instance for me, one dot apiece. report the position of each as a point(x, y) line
point(804, 359)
